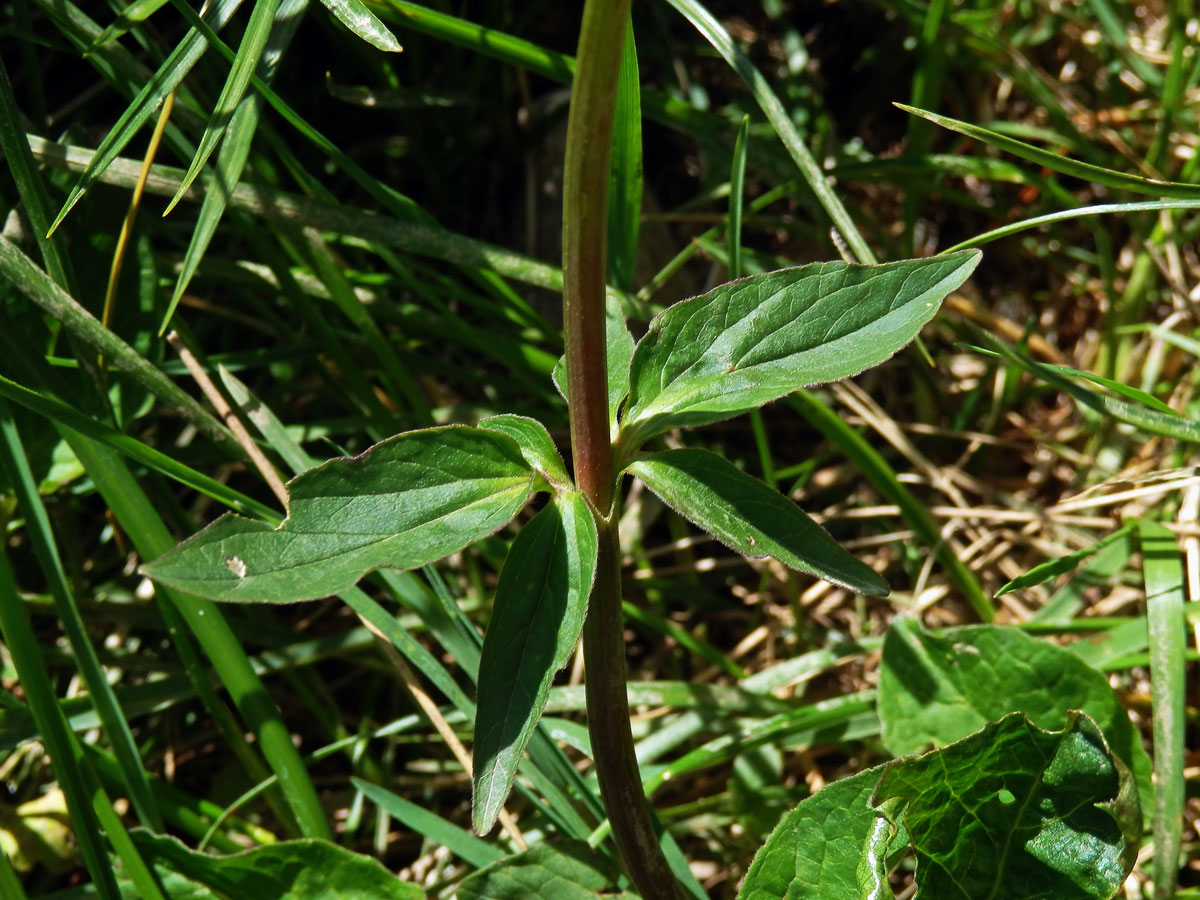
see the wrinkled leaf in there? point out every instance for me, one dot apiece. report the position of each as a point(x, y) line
point(937, 689)
point(567, 871)
point(355, 16)
point(751, 341)
point(536, 446)
point(290, 870)
point(407, 501)
point(540, 604)
point(750, 517)
point(1016, 813)
point(833, 844)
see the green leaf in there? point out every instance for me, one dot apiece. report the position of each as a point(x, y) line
point(936, 689)
point(355, 16)
point(540, 604)
point(289, 870)
point(619, 352)
point(751, 341)
point(1053, 568)
point(625, 172)
point(566, 871)
point(833, 844)
point(749, 517)
point(1165, 579)
point(1015, 813)
point(407, 501)
point(536, 446)
point(1056, 162)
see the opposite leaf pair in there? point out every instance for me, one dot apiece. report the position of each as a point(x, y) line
point(422, 495)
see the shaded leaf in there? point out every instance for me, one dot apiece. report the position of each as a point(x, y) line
point(619, 352)
point(1014, 813)
point(355, 16)
point(751, 341)
point(567, 871)
point(833, 844)
point(407, 501)
point(937, 689)
point(751, 518)
point(539, 609)
point(289, 870)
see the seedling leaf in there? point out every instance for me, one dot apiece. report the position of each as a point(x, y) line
point(751, 518)
point(407, 501)
point(751, 341)
point(1013, 813)
point(540, 604)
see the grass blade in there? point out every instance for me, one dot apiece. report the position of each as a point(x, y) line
point(1162, 568)
point(258, 29)
point(355, 15)
point(1061, 164)
point(1063, 564)
point(716, 35)
point(625, 182)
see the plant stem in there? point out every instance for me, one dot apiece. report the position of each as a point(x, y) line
point(585, 196)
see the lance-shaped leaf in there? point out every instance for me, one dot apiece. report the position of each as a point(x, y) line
point(407, 501)
point(540, 604)
point(751, 518)
point(619, 347)
point(355, 15)
point(833, 844)
point(1013, 812)
point(751, 341)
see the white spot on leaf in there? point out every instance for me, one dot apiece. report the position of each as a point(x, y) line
point(236, 565)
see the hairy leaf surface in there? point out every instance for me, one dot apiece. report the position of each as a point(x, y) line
point(407, 501)
point(751, 518)
point(751, 341)
point(540, 604)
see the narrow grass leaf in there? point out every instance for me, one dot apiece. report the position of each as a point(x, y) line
point(432, 827)
point(752, 341)
point(565, 871)
point(1061, 164)
point(173, 70)
point(625, 180)
point(1014, 812)
point(249, 53)
point(25, 275)
point(1162, 568)
point(407, 501)
point(1040, 574)
point(355, 15)
point(536, 446)
point(935, 689)
point(1146, 419)
point(231, 159)
point(833, 844)
point(289, 870)
point(538, 613)
point(751, 518)
point(780, 120)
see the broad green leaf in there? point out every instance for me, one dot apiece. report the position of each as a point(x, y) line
point(1015, 813)
point(1164, 575)
point(289, 870)
point(833, 844)
point(751, 341)
point(619, 352)
point(568, 871)
point(937, 689)
point(1053, 568)
point(751, 518)
point(536, 446)
point(355, 16)
point(407, 501)
point(540, 604)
